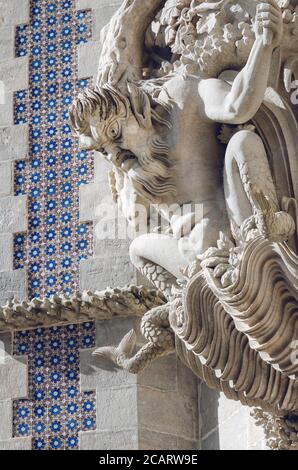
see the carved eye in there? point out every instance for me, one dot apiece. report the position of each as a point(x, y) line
point(114, 131)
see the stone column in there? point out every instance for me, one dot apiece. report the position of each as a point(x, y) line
point(156, 409)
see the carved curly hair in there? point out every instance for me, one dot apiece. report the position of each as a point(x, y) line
point(102, 102)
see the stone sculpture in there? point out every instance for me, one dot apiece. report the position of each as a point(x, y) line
point(194, 105)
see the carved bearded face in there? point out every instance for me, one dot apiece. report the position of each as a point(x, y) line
point(122, 131)
point(119, 140)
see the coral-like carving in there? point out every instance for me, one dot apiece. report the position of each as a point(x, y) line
point(101, 305)
point(216, 35)
point(281, 432)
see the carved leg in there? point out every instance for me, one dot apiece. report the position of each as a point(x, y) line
point(246, 165)
point(157, 250)
point(161, 341)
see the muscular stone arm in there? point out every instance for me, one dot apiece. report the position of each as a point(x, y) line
point(123, 46)
point(238, 103)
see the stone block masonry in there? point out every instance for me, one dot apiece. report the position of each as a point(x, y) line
point(13, 379)
point(13, 145)
point(156, 409)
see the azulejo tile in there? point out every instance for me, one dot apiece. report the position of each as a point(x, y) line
point(56, 409)
point(56, 242)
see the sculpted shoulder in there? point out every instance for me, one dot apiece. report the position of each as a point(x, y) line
point(182, 91)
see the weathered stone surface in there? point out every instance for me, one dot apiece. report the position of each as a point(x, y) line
point(14, 142)
point(101, 169)
point(118, 409)
point(6, 419)
point(6, 343)
point(91, 196)
point(187, 444)
point(14, 73)
point(151, 440)
point(7, 42)
point(12, 284)
point(208, 407)
point(168, 412)
point(156, 377)
point(13, 378)
point(21, 443)
point(14, 12)
point(87, 66)
point(211, 441)
point(6, 107)
point(5, 179)
point(110, 440)
point(6, 251)
point(86, 4)
point(100, 272)
point(13, 214)
point(187, 382)
point(102, 14)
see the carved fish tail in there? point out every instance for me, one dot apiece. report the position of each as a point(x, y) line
point(147, 354)
point(161, 341)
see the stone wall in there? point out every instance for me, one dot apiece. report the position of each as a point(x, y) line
point(156, 409)
point(13, 146)
point(14, 385)
point(226, 424)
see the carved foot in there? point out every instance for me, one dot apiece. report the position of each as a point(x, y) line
point(274, 226)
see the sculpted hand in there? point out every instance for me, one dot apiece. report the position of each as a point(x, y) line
point(269, 23)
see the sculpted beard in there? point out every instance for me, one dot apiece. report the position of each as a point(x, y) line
point(153, 178)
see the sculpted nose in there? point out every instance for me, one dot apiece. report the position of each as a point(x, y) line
point(86, 142)
point(113, 155)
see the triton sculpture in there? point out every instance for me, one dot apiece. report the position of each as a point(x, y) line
point(195, 104)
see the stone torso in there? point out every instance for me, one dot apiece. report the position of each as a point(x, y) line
point(194, 147)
